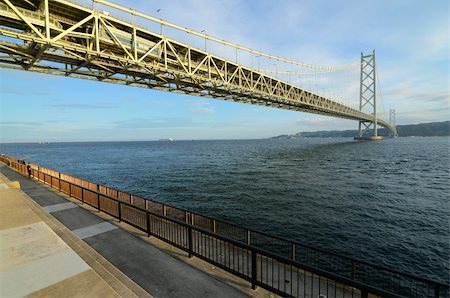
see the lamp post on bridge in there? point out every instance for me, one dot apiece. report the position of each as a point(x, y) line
point(161, 27)
point(204, 32)
point(257, 57)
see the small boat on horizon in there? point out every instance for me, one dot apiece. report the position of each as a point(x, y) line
point(166, 140)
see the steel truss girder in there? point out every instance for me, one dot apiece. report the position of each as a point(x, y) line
point(97, 46)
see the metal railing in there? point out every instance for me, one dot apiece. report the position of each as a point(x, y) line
point(285, 267)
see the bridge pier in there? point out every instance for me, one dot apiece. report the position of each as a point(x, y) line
point(370, 138)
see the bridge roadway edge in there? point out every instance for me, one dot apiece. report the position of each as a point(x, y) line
point(133, 253)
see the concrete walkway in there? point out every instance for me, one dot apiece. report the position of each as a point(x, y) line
point(156, 271)
point(36, 262)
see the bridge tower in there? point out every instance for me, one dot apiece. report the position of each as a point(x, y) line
point(392, 122)
point(368, 97)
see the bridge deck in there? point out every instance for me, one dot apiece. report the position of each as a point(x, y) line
point(64, 38)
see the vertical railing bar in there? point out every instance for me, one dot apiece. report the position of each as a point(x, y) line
point(254, 270)
point(271, 270)
point(364, 293)
point(320, 279)
point(176, 230)
point(228, 255)
point(172, 232)
point(238, 259)
point(197, 240)
point(291, 280)
point(211, 252)
point(120, 210)
point(328, 283)
point(278, 269)
point(148, 223)
point(247, 262)
point(304, 283)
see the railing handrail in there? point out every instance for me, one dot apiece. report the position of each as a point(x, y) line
point(242, 244)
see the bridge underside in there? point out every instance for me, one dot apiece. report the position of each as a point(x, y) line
point(62, 38)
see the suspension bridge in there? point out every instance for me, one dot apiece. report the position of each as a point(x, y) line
point(86, 41)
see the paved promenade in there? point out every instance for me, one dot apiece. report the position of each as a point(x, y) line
point(36, 262)
point(142, 268)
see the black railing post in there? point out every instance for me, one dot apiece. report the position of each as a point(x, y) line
point(254, 273)
point(82, 195)
point(190, 244)
point(70, 189)
point(364, 293)
point(148, 224)
point(98, 201)
point(436, 291)
point(120, 211)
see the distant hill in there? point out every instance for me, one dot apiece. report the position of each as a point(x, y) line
point(431, 129)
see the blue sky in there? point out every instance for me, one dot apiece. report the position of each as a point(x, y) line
point(411, 39)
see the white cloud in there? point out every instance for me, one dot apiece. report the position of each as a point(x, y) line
point(202, 107)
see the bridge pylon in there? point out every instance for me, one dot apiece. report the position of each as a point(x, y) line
point(368, 98)
point(393, 132)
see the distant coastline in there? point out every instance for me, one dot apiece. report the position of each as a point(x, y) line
point(431, 129)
